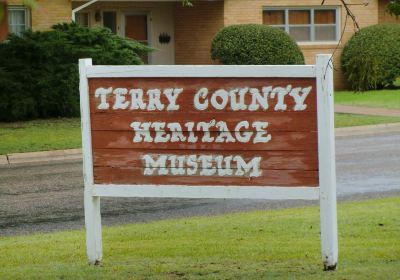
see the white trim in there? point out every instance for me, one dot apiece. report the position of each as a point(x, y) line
point(92, 203)
point(272, 71)
point(324, 7)
point(77, 9)
point(27, 17)
point(84, 64)
point(231, 192)
point(326, 159)
point(148, 15)
point(311, 25)
point(319, 43)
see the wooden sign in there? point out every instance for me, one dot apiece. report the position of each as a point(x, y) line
point(207, 131)
point(204, 131)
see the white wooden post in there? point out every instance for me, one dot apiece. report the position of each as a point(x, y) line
point(92, 203)
point(327, 169)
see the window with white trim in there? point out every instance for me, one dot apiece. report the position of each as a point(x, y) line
point(305, 24)
point(18, 19)
point(83, 19)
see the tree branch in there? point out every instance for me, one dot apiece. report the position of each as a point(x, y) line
point(349, 13)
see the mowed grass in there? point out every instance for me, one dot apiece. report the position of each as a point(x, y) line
point(277, 244)
point(346, 120)
point(40, 135)
point(389, 99)
point(58, 134)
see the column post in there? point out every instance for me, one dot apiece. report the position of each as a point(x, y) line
point(326, 157)
point(91, 203)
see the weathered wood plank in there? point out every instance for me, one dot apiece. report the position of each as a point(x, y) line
point(134, 176)
point(290, 121)
point(281, 141)
point(284, 160)
point(192, 85)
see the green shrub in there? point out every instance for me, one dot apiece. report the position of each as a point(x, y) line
point(394, 8)
point(39, 70)
point(371, 58)
point(255, 44)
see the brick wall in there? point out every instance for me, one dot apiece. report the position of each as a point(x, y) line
point(384, 16)
point(250, 11)
point(3, 21)
point(195, 27)
point(48, 12)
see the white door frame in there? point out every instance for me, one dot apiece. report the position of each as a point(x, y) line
point(149, 27)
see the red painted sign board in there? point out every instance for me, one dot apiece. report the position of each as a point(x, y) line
point(204, 131)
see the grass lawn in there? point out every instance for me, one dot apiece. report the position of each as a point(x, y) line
point(277, 244)
point(41, 135)
point(389, 99)
point(57, 134)
point(345, 120)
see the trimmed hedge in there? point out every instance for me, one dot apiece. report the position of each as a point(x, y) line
point(39, 70)
point(371, 58)
point(249, 44)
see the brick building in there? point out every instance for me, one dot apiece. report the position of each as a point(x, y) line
point(183, 35)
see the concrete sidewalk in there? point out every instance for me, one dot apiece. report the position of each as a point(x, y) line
point(76, 154)
point(346, 109)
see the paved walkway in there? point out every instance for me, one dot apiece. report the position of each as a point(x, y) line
point(367, 111)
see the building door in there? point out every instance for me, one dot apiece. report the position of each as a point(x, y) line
point(136, 28)
point(110, 21)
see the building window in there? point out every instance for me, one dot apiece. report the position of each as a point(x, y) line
point(110, 21)
point(305, 24)
point(18, 19)
point(83, 19)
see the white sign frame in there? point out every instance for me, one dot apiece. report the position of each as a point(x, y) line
point(326, 192)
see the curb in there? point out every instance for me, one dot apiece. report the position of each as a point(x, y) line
point(367, 129)
point(348, 109)
point(46, 156)
point(76, 154)
point(3, 160)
